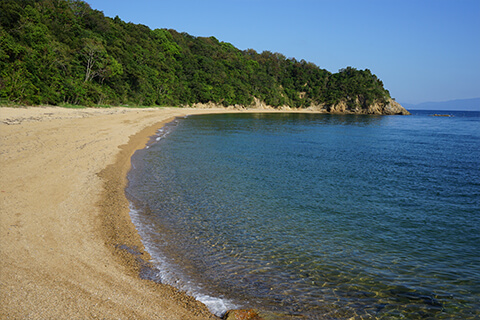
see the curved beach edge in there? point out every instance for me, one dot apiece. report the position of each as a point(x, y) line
point(64, 217)
point(68, 246)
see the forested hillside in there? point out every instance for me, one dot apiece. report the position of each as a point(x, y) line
point(64, 52)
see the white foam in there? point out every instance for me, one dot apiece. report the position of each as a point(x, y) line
point(217, 306)
point(168, 272)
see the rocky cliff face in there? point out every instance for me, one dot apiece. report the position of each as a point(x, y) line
point(393, 107)
point(390, 108)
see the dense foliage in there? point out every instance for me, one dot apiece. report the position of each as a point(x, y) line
point(63, 51)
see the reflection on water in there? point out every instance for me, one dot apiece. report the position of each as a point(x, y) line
point(317, 215)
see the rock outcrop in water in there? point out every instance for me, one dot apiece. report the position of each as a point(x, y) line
point(242, 315)
point(390, 108)
point(394, 107)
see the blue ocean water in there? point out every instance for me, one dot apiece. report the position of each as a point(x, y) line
point(321, 216)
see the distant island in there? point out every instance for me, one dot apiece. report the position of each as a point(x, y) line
point(450, 105)
point(60, 52)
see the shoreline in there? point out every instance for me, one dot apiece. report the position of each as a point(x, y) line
point(61, 255)
point(68, 247)
point(120, 233)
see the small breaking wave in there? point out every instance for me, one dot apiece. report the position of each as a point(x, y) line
point(168, 272)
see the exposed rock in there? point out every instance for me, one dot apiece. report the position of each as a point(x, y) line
point(391, 108)
point(338, 108)
point(242, 315)
point(394, 107)
point(441, 115)
point(260, 104)
point(208, 105)
point(317, 108)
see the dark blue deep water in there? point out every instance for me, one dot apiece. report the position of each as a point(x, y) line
point(321, 216)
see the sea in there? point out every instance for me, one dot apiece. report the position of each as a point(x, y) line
point(315, 216)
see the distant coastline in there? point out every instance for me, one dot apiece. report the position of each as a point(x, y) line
point(450, 105)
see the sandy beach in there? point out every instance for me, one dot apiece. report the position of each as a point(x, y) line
point(68, 247)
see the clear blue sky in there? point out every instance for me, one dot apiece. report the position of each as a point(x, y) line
point(422, 50)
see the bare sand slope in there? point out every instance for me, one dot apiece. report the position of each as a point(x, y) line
point(63, 212)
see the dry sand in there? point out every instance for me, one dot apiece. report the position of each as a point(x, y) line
point(63, 214)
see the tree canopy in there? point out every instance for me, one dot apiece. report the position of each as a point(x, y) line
point(63, 51)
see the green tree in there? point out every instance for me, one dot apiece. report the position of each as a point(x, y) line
point(57, 51)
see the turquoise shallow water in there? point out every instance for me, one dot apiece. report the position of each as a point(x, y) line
point(324, 216)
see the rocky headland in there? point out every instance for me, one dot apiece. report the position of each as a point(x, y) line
point(390, 108)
